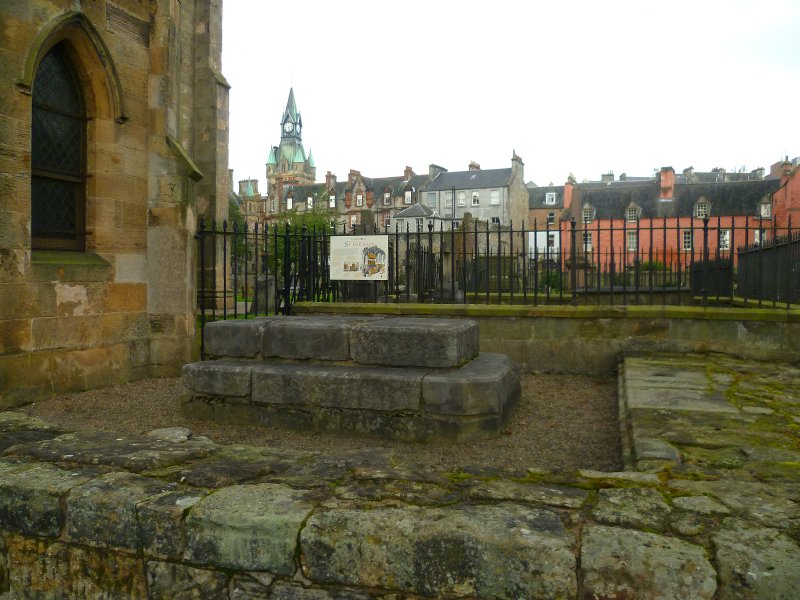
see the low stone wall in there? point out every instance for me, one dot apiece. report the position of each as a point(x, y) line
point(95, 515)
point(591, 339)
point(712, 511)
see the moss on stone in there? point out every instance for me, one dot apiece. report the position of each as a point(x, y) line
point(554, 311)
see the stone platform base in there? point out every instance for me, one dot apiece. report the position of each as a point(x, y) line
point(401, 378)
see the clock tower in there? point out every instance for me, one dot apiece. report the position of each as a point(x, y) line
point(288, 163)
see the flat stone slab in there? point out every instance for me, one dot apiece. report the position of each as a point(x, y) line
point(378, 388)
point(490, 384)
point(235, 338)
point(711, 415)
point(313, 337)
point(394, 341)
point(96, 448)
point(415, 342)
point(408, 403)
point(756, 562)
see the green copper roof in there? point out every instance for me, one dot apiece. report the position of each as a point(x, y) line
point(272, 160)
point(291, 107)
point(299, 155)
point(311, 160)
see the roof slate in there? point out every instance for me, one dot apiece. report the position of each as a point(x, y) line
point(416, 211)
point(469, 180)
point(725, 199)
point(536, 197)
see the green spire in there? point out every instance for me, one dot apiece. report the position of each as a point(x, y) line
point(311, 160)
point(291, 108)
point(272, 160)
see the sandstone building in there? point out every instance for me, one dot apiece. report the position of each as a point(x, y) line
point(113, 143)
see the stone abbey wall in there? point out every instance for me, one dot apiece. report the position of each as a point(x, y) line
point(156, 160)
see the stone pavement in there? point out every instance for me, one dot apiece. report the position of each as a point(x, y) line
point(708, 508)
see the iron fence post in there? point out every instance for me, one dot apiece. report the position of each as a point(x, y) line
point(573, 262)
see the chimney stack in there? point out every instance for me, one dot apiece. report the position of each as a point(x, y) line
point(569, 186)
point(434, 170)
point(408, 173)
point(330, 180)
point(666, 181)
point(473, 166)
point(516, 161)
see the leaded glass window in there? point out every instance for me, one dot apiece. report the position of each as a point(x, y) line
point(58, 156)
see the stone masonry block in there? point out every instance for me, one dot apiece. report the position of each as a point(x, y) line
point(317, 337)
point(248, 528)
point(380, 389)
point(218, 378)
point(102, 512)
point(625, 563)
point(30, 497)
point(168, 581)
point(502, 551)
point(161, 522)
point(416, 342)
point(487, 385)
point(237, 338)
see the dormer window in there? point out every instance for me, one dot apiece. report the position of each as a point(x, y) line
point(765, 210)
point(407, 197)
point(550, 198)
point(701, 210)
point(310, 203)
point(631, 214)
point(387, 198)
point(332, 201)
point(289, 202)
point(587, 214)
point(359, 199)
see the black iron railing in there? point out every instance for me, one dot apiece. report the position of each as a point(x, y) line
point(264, 270)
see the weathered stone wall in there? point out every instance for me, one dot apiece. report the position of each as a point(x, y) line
point(157, 108)
point(710, 511)
point(591, 339)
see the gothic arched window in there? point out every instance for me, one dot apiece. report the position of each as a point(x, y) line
point(58, 155)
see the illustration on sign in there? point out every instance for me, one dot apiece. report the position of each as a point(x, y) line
point(360, 257)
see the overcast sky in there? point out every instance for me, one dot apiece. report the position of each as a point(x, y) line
point(582, 87)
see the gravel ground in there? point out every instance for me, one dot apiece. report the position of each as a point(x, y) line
point(561, 422)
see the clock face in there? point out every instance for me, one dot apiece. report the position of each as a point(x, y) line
point(288, 127)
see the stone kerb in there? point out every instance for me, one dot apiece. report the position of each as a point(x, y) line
point(405, 378)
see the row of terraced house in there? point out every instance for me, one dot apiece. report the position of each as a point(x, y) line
point(658, 215)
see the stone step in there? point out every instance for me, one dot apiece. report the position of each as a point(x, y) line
point(392, 341)
point(402, 403)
